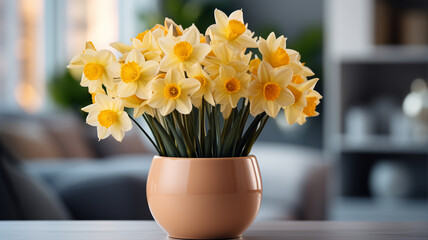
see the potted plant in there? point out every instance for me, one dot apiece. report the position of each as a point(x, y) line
point(196, 93)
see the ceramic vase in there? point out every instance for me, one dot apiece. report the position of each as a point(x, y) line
point(204, 198)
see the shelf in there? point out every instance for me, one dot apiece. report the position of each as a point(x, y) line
point(381, 144)
point(367, 209)
point(388, 54)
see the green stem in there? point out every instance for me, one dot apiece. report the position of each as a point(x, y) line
point(253, 139)
point(145, 133)
point(214, 131)
point(227, 125)
point(168, 141)
point(197, 145)
point(248, 134)
point(178, 139)
point(187, 141)
point(202, 126)
point(158, 139)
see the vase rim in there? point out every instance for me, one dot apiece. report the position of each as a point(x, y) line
point(205, 158)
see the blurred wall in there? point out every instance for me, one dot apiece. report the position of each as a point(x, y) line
point(290, 16)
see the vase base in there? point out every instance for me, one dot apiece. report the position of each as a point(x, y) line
point(176, 237)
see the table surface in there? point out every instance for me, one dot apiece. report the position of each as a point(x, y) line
point(149, 230)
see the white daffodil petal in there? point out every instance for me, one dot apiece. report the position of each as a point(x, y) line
point(142, 92)
point(167, 45)
point(121, 47)
point(127, 89)
point(237, 15)
point(285, 98)
point(150, 68)
point(256, 106)
point(246, 41)
point(135, 56)
point(291, 114)
point(264, 71)
point(103, 100)
point(104, 57)
point(184, 106)
point(168, 108)
point(92, 118)
point(191, 36)
point(271, 108)
point(102, 133)
point(308, 85)
point(200, 51)
point(168, 63)
point(221, 18)
point(107, 81)
point(117, 132)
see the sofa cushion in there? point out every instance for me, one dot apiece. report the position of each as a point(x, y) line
point(28, 139)
point(112, 189)
point(25, 197)
point(67, 130)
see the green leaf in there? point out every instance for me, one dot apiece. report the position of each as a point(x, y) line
point(202, 126)
point(147, 135)
point(250, 143)
point(248, 134)
point(187, 140)
point(208, 144)
point(178, 139)
point(158, 139)
point(168, 142)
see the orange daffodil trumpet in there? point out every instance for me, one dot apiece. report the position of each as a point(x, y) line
point(196, 91)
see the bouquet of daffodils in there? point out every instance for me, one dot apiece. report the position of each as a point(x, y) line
point(194, 91)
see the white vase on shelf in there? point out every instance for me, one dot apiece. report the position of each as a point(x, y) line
point(390, 180)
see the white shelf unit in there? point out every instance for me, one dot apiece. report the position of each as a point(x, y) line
point(356, 72)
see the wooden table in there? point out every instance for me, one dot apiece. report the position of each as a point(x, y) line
point(149, 230)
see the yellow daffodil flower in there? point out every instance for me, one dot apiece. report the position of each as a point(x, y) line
point(230, 86)
point(300, 92)
point(145, 42)
point(99, 67)
point(224, 56)
point(173, 92)
point(207, 86)
point(184, 51)
point(89, 107)
point(168, 68)
point(300, 69)
point(232, 30)
point(312, 99)
point(274, 51)
point(108, 116)
point(268, 92)
point(135, 74)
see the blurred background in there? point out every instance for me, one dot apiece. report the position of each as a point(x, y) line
point(364, 158)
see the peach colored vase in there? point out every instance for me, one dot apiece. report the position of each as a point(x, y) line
point(204, 198)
